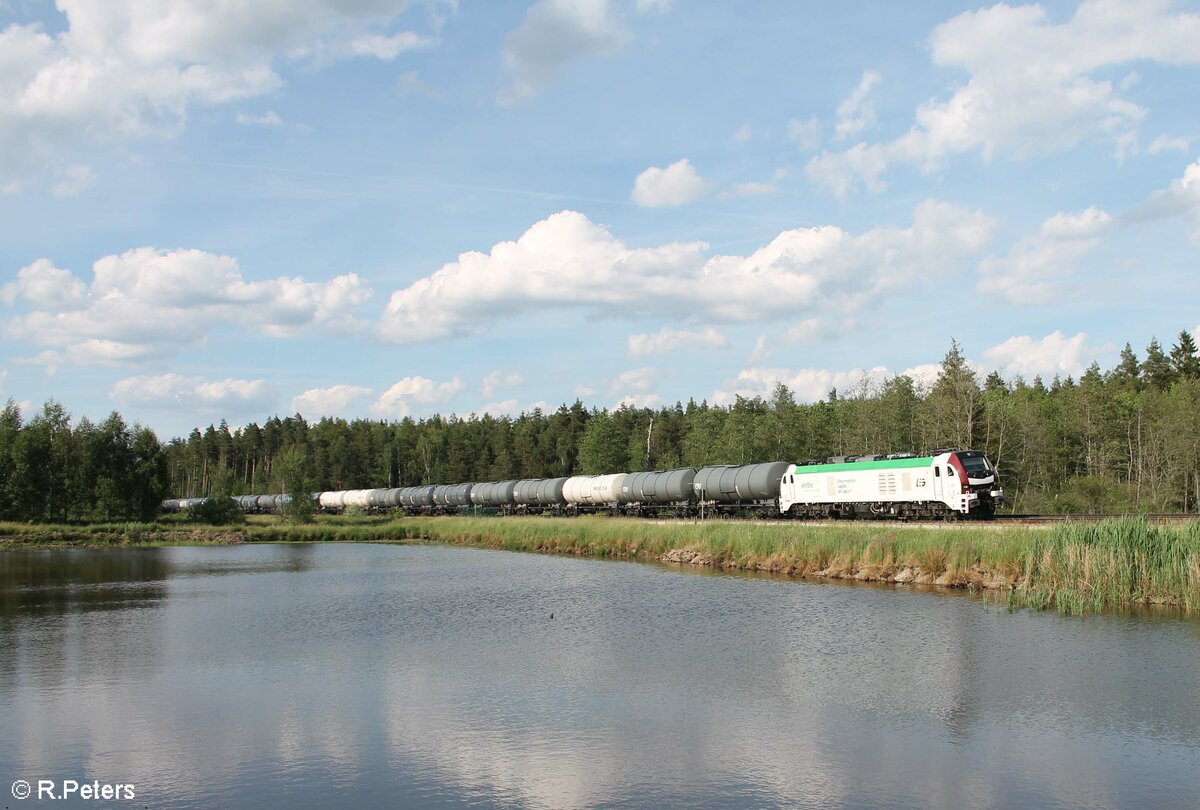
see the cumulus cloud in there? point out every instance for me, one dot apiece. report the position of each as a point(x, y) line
point(1054, 354)
point(112, 69)
point(553, 34)
point(175, 392)
point(669, 340)
point(148, 302)
point(677, 184)
point(1039, 269)
point(567, 261)
point(857, 112)
point(1034, 86)
point(333, 401)
point(398, 401)
point(498, 380)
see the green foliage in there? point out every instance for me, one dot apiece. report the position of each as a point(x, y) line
point(294, 466)
point(221, 510)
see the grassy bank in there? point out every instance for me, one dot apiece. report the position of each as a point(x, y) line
point(15, 536)
point(1075, 567)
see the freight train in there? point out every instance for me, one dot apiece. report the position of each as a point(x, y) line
point(940, 484)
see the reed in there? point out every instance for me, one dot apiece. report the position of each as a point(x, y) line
point(1075, 568)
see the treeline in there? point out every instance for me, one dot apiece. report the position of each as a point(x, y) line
point(1125, 439)
point(53, 471)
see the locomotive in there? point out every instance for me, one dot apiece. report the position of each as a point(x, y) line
point(944, 483)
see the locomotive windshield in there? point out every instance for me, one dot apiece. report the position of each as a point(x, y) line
point(976, 466)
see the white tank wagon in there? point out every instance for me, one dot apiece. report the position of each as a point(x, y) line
point(591, 493)
point(961, 482)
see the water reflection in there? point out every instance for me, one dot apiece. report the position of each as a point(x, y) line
point(310, 676)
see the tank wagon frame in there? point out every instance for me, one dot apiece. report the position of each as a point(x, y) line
point(941, 484)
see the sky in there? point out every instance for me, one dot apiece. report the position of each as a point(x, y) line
point(381, 208)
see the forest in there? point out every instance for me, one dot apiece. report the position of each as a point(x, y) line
point(1125, 439)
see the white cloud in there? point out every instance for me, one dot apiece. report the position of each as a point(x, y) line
point(387, 48)
point(553, 34)
point(131, 68)
point(72, 181)
point(806, 134)
point(147, 302)
point(498, 380)
point(333, 401)
point(1033, 86)
point(677, 184)
point(808, 385)
point(45, 286)
point(639, 401)
point(635, 381)
point(653, 6)
point(668, 340)
point(397, 402)
point(1090, 222)
point(635, 388)
point(175, 392)
point(1163, 143)
point(743, 134)
point(267, 119)
point(568, 261)
point(586, 391)
point(1053, 354)
point(1181, 198)
point(410, 84)
point(1039, 269)
point(857, 113)
point(510, 407)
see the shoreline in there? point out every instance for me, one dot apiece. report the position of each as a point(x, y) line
point(1073, 568)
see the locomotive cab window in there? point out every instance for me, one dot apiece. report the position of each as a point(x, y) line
point(950, 471)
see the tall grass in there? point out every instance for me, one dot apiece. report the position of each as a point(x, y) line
point(1074, 568)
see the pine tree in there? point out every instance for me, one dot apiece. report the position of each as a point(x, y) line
point(1156, 370)
point(1184, 361)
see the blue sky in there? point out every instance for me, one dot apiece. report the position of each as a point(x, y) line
point(384, 208)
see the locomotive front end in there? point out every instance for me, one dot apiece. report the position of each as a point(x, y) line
point(980, 478)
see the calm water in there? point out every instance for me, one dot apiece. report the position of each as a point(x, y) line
point(364, 675)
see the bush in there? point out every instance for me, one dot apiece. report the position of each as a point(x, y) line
point(220, 510)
